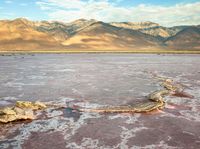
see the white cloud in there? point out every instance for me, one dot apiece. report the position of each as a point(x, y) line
point(180, 14)
point(8, 2)
point(23, 4)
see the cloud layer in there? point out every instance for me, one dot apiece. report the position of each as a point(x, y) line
point(104, 10)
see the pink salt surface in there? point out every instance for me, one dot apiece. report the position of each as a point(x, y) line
point(95, 80)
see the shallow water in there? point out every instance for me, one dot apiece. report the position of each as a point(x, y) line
point(95, 80)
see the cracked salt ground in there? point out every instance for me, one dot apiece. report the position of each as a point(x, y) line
point(54, 122)
point(98, 80)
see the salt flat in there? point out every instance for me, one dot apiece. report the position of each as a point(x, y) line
point(93, 80)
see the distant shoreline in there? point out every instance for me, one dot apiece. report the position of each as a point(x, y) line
point(98, 51)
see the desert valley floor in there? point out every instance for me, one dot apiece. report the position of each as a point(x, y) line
point(93, 80)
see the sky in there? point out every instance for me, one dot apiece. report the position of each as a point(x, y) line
point(164, 12)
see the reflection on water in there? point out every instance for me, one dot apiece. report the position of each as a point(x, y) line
point(98, 80)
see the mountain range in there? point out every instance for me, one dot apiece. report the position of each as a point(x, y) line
point(22, 34)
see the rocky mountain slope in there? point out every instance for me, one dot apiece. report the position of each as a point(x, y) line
point(99, 35)
point(23, 34)
point(150, 28)
point(188, 38)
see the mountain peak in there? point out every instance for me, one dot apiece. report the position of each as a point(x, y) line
point(135, 25)
point(84, 20)
point(21, 19)
point(80, 20)
point(22, 22)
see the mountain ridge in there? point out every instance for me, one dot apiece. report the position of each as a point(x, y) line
point(23, 34)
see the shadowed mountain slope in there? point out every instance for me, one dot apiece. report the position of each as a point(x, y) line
point(189, 38)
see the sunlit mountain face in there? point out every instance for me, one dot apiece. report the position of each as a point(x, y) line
point(23, 34)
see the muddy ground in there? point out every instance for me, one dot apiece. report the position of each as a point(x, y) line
point(95, 80)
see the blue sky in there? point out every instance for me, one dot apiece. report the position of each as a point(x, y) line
point(155, 2)
point(165, 12)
